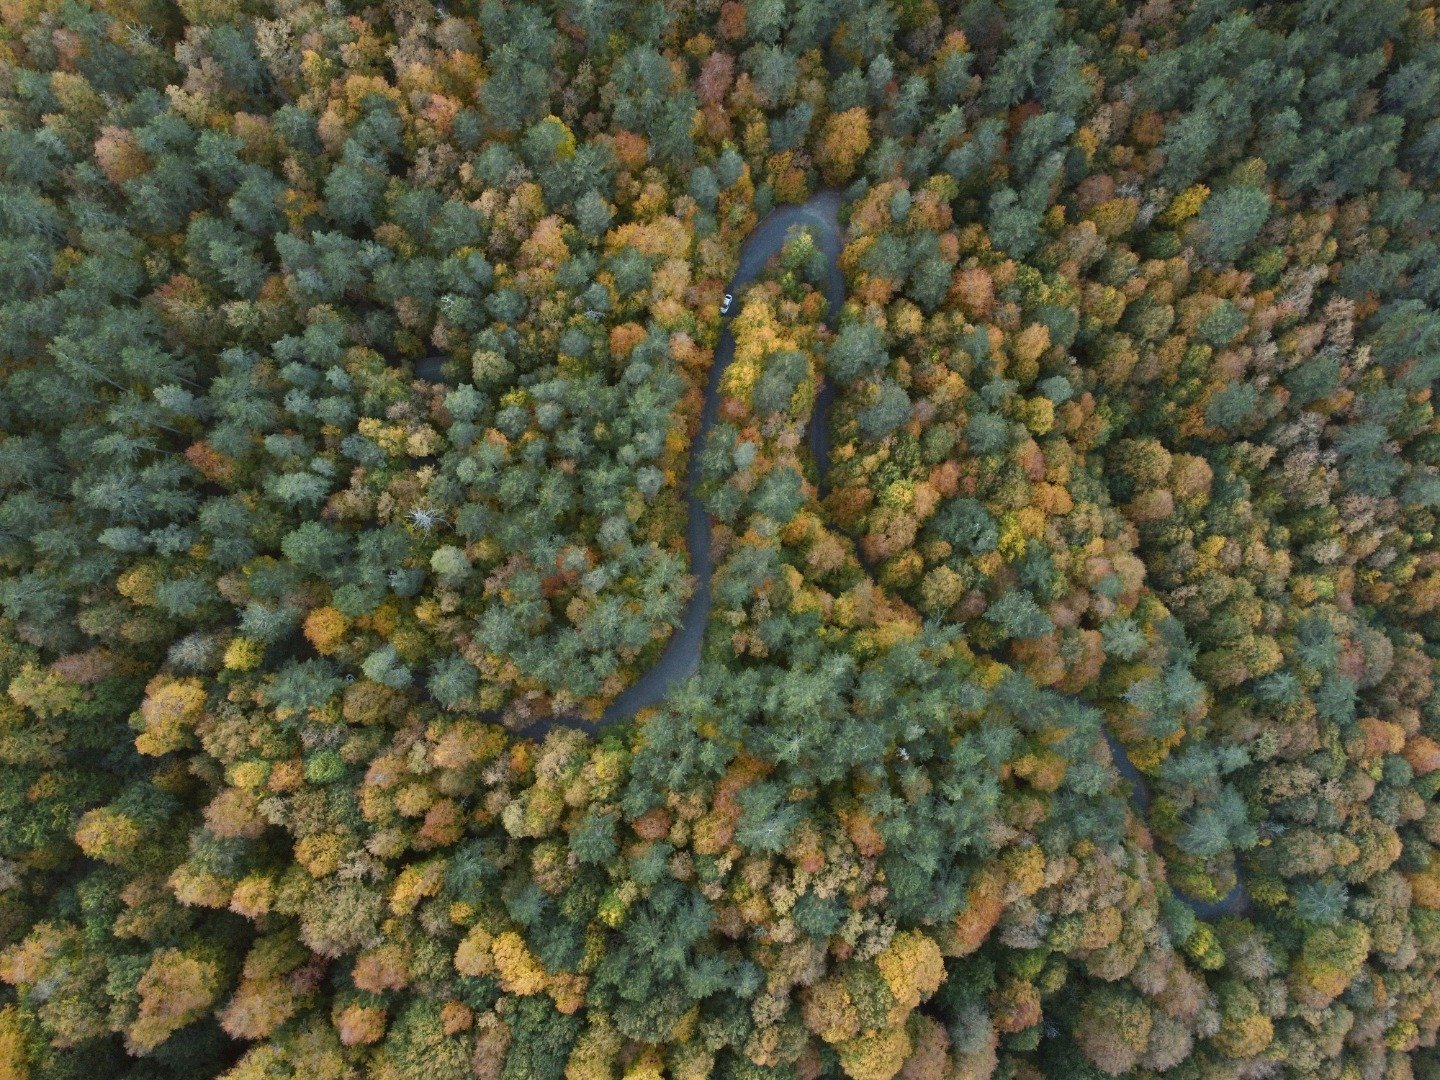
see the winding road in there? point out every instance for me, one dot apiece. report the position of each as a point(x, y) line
point(1237, 900)
point(681, 657)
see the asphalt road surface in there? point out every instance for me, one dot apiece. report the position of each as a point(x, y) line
point(681, 657)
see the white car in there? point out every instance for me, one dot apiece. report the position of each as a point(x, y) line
point(725, 304)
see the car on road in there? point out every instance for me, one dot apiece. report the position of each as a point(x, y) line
point(725, 304)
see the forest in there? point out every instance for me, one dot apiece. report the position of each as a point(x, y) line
point(1054, 517)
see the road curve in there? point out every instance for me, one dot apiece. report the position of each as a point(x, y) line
point(1237, 900)
point(681, 657)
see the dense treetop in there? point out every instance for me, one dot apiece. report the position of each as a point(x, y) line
point(1080, 720)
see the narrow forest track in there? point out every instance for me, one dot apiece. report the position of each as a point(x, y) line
point(1237, 900)
point(680, 659)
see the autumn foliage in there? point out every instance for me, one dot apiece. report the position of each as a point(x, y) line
point(1066, 700)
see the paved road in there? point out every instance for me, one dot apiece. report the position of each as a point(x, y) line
point(681, 656)
point(1237, 900)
